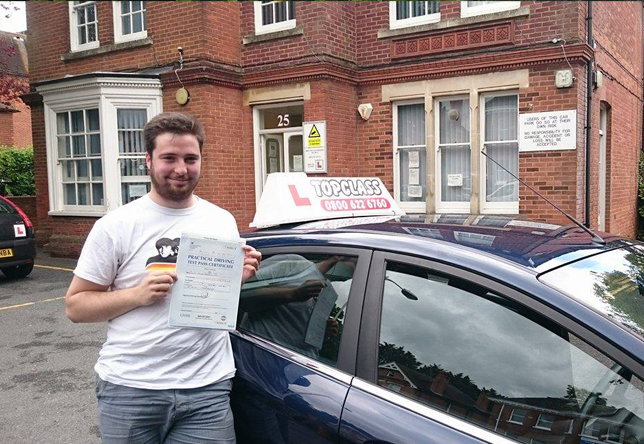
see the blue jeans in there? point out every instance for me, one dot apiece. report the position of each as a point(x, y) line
point(184, 416)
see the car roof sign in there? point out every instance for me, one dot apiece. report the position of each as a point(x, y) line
point(295, 197)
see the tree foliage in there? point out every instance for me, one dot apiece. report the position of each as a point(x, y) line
point(17, 171)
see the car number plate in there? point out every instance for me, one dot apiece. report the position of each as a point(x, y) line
point(6, 252)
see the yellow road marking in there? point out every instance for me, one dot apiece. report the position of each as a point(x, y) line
point(31, 303)
point(53, 268)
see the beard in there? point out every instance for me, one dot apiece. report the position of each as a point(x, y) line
point(170, 191)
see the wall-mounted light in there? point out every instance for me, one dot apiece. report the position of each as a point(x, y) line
point(365, 110)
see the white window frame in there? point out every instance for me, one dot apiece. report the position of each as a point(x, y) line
point(449, 207)
point(517, 422)
point(541, 427)
point(473, 11)
point(260, 28)
point(408, 207)
point(494, 207)
point(119, 37)
point(412, 21)
point(107, 94)
point(73, 29)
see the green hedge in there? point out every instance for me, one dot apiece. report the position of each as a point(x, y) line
point(17, 171)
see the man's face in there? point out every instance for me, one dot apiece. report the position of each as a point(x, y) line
point(175, 166)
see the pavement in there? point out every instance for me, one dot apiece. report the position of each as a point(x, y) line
point(46, 370)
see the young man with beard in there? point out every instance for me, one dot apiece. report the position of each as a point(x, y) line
point(156, 384)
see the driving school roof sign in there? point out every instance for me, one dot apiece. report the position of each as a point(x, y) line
point(294, 197)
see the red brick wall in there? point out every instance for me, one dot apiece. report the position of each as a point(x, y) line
point(28, 205)
point(22, 125)
point(6, 129)
point(547, 20)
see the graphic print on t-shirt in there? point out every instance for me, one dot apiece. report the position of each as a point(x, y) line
point(167, 258)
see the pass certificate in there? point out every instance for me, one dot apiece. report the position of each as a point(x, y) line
point(206, 293)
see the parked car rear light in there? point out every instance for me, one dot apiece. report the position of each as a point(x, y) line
point(21, 213)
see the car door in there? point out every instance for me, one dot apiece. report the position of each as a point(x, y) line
point(449, 356)
point(296, 344)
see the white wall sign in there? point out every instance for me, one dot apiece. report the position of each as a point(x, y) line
point(548, 131)
point(454, 180)
point(315, 147)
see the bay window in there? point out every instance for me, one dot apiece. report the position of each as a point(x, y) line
point(95, 148)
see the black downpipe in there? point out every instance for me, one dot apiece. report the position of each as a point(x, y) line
point(589, 97)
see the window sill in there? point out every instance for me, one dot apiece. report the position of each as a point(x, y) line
point(257, 38)
point(76, 214)
point(523, 11)
point(105, 49)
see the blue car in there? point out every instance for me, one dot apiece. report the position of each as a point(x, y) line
point(462, 330)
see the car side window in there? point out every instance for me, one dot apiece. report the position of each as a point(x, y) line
point(299, 301)
point(455, 346)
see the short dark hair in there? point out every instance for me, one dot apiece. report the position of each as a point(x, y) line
point(174, 123)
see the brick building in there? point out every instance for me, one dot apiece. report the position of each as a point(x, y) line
point(436, 83)
point(15, 116)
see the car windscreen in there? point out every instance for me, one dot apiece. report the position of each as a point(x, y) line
point(610, 282)
point(5, 208)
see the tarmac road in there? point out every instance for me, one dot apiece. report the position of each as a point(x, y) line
point(46, 361)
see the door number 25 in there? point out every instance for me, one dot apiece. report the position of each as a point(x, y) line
point(283, 120)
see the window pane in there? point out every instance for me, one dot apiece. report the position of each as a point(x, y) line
point(413, 174)
point(97, 169)
point(79, 146)
point(62, 123)
point(91, 14)
point(433, 7)
point(501, 118)
point(455, 121)
point(133, 190)
point(282, 117)
point(137, 22)
point(418, 9)
point(145, 19)
point(77, 122)
point(319, 287)
point(499, 185)
point(491, 361)
point(125, 7)
point(64, 147)
point(267, 14)
point(125, 24)
point(82, 36)
point(91, 33)
point(82, 170)
point(69, 191)
point(411, 125)
point(68, 171)
point(481, 3)
point(136, 6)
point(97, 194)
point(83, 195)
point(402, 10)
point(291, 10)
point(130, 124)
point(280, 11)
point(133, 167)
point(92, 120)
point(456, 180)
point(95, 144)
point(80, 14)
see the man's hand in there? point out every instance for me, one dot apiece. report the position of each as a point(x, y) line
point(155, 286)
point(307, 290)
point(252, 258)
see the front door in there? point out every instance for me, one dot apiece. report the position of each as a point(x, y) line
point(282, 153)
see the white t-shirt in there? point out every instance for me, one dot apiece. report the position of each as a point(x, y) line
point(141, 350)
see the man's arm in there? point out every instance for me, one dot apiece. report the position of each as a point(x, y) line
point(87, 301)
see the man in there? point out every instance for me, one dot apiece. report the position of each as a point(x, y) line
point(156, 384)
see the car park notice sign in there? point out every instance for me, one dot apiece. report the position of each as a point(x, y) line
point(294, 197)
point(548, 131)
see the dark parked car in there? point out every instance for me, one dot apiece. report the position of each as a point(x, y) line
point(17, 240)
point(456, 331)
